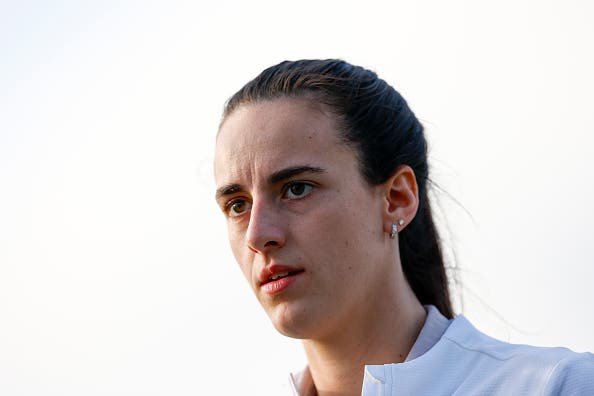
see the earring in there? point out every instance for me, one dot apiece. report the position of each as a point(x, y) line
point(394, 231)
point(395, 228)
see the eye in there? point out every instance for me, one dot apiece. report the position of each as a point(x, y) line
point(296, 190)
point(238, 207)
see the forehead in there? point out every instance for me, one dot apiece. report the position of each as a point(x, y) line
point(270, 135)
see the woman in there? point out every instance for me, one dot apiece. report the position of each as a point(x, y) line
point(321, 172)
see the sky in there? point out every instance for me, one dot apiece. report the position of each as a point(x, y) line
point(115, 273)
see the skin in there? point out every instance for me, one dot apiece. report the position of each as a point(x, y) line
point(351, 304)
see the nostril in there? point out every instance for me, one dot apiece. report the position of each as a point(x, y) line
point(271, 243)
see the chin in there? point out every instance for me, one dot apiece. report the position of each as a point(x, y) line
point(293, 322)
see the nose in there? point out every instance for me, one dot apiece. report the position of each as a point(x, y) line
point(265, 230)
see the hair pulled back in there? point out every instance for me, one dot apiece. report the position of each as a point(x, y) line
point(376, 120)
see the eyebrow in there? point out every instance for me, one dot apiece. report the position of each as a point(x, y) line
point(274, 178)
point(287, 173)
point(228, 190)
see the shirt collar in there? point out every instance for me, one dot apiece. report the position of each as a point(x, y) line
point(435, 325)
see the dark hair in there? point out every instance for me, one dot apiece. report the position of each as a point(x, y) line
point(376, 120)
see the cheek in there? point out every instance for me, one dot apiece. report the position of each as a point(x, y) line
point(240, 251)
point(350, 233)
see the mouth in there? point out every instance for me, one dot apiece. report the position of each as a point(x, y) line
point(280, 275)
point(278, 282)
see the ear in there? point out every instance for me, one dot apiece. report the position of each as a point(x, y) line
point(402, 198)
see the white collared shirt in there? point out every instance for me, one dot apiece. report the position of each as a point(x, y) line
point(451, 357)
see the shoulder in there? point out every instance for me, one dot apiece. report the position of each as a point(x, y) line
point(552, 370)
point(463, 335)
point(572, 375)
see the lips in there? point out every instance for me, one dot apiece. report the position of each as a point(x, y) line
point(276, 278)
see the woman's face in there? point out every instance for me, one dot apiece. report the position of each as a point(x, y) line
point(304, 226)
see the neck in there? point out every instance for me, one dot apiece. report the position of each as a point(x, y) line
point(383, 334)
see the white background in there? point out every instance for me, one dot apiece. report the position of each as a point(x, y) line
point(115, 275)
